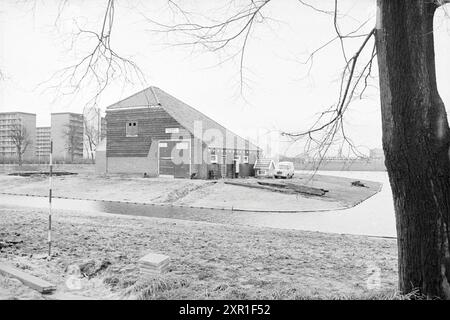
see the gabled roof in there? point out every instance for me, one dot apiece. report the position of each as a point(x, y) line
point(184, 114)
point(264, 164)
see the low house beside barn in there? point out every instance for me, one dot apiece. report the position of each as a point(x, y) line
point(264, 168)
point(154, 133)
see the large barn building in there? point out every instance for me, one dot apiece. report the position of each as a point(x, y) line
point(153, 133)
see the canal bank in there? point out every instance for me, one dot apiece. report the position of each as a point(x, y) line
point(341, 194)
point(373, 217)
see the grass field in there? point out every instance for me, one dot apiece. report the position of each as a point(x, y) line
point(208, 261)
point(196, 193)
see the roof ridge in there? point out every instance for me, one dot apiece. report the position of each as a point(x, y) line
point(154, 94)
point(193, 108)
point(134, 95)
point(197, 111)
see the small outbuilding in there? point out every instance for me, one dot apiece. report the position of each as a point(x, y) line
point(264, 168)
point(154, 133)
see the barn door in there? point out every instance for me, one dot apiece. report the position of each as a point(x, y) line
point(174, 158)
point(183, 153)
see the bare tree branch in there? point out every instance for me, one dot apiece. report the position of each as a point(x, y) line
point(20, 139)
point(100, 67)
point(346, 98)
point(236, 29)
point(74, 139)
point(92, 132)
point(334, 126)
point(102, 63)
point(215, 36)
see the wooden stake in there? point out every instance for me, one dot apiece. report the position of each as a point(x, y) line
point(27, 279)
point(50, 202)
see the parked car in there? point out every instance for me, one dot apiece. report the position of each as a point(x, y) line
point(285, 169)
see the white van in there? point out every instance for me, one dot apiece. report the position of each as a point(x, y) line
point(285, 169)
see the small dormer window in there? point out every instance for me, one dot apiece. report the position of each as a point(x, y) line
point(132, 129)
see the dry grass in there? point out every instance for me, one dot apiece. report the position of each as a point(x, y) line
point(116, 187)
point(208, 261)
point(155, 288)
point(197, 193)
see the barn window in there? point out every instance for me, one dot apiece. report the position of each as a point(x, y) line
point(132, 129)
point(172, 130)
point(245, 159)
point(182, 146)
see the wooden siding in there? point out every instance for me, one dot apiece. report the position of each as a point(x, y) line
point(152, 123)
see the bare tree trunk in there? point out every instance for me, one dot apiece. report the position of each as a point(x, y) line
point(19, 156)
point(416, 143)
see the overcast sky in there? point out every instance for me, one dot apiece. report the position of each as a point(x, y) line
point(280, 93)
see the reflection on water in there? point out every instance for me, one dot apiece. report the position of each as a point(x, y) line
point(374, 216)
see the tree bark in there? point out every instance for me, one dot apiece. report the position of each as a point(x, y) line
point(19, 155)
point(416, 144)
